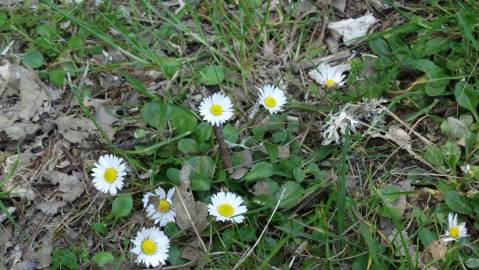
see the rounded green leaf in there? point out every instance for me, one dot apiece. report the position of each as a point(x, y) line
point(260, 170)
point(211, 75)
point(122, 206)
point(154, 114)
point(457, 203)
point(187, 146)
point(102, 258)
point(33, 59)
point(293, 192)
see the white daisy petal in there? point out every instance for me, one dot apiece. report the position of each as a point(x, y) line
point(227, 207)
point(328, 76)
point(272, 98)
point(216, 109)
point(108, 174)
point(164, 211)
point(151, 246)
point(454, 231)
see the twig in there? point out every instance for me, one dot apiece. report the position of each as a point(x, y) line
point(426, 141)
point(223, 149)
point(250, 250)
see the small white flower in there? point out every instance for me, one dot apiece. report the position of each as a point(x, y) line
point(227, 206)
point(108, 174)
point(328, 76)
point(159, 206)
point(151, 245)
point(216, 109)
point(454, 230)
point(272, 98)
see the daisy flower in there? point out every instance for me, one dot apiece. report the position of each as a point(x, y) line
point(216, 109)
point(108, 174)
point(151, 245)
point(227, 206)
point(272, 98)
point(454, 231)
point(159, 206)
point(328, 76)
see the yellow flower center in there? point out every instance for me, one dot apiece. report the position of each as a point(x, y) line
point(225, 209)
point(329, 83)
point(148, 247)
point(163, 206)
point(454, 232)
point(216, 109)
point(270, 102)
point(110, 175)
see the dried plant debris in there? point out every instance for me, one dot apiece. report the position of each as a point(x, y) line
point(350, 29)
point(350, 118)
point(190, 214)
point(24, 100)
point(75, 129)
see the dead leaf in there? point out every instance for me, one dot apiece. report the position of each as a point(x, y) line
point(283, 151)
point(246, 163)
point(351, 29)
point(189, 212)
point(104, 115)
point(75, 129)
point(339, 4)
point(23, 99)
point(70, 186)
point(400, 249)
point(437, 249)
point(10, 211)
point(50, 208)
point(19, 185)
point(192, 253)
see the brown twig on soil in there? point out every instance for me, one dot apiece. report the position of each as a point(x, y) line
point(225, 154)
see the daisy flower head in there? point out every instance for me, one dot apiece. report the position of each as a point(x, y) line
point(151, 246)
point(216, 109)
point(227, 206)
point(159, 206)
point(328, 76)
point(272, 98)
point(454, 230)
point(108, 174)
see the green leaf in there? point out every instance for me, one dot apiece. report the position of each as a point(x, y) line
point(174, 175)
point(293, 192)
point(33, 58)
point(203, 132)
point(451, 153)
point(272, 149)
point(467, 97)
point(298, 174)
point(380, 47)
point(169, 65)
point(472, 263)
point(182, 120)
point(457, 203)
point(174, 255)
point(154, 114)
point(230, 133)
point(102, 258)
point(211, 75)
point(64, 259)
point(121, 206)
point(99, 228)
point(433, 155)
point(187, 146)
point(203, 169)
point(436, 86)
point(260, 170)
point(426, 236)
point(57, 76)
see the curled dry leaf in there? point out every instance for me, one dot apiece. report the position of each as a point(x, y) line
point(351, 29)
point(20, 118)
point(437, 249)
point(70, 187)
point(189, 212)
point(75, 129)
point(104, 115)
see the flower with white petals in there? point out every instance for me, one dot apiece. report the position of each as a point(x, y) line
point(159, 206)
point(272, 98)
point(108, 174)
point(216, 109)
point(227, 206)
point(328, 76)
point(151, 245)
point(454, 230)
